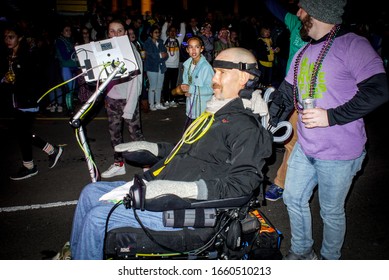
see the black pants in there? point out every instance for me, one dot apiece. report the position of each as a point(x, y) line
point(169, 83)
point(266, 75)
point(116, 123)
point(24, 122)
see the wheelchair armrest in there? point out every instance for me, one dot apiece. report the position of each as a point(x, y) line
point(141, 158)
point(166, 202)
point(173, 202)
point(231, 202)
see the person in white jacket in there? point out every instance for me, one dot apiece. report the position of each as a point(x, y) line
point(172, 40)
point(122, 106)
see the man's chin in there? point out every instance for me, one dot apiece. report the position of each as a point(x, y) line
point(218, 95)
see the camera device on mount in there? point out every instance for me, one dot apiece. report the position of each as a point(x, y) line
point(103, 61)
point(98, 59)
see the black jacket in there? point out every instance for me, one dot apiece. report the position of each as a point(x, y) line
point(29, 80)
point(229, 157)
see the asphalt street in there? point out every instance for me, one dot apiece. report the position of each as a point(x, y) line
point(36, 214)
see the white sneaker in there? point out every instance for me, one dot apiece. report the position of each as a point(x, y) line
point(159, 106)
point(152, 108)
point(114, 170)
point(166, 104)
point(59, 109)
point(173, 104)
point(52, 108)
point(65, 253)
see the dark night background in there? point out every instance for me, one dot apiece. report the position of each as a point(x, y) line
point(357, 11)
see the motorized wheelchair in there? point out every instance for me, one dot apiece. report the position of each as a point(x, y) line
point(232, 228)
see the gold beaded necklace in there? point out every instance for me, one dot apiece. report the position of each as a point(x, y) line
point(192, 66)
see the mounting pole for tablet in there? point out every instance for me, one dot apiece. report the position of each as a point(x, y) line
point(76, 121)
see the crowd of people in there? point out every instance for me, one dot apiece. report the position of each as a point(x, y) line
point(56, 42)
point(264, 33)
point(324, 89)
point(176, 69)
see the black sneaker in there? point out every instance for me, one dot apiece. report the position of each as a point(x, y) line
point(54, 157)
point(24, 173)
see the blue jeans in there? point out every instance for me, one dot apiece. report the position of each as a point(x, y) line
point(155, 87)
point(87, 237)
point(334, 178)
point(67, 74)
point(55, 96)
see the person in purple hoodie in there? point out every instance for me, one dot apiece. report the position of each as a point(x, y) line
point(333, 82)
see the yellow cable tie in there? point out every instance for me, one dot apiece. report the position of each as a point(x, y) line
point(156, 172)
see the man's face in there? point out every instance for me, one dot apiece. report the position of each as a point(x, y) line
point(193, 22)
point(306, 21)
point(225, 83)
point(116, 30)
point(11, 40)
point(301, 13)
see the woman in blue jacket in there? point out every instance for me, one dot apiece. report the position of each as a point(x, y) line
point(64, 46)
point(155, 66)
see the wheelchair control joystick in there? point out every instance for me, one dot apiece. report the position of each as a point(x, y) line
point(135, 199)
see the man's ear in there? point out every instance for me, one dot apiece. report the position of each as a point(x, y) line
point(243, 77)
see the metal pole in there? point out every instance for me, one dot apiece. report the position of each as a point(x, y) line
point(75, 121)
point(85, 147)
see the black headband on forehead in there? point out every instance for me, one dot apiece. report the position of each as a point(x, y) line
point(250, 68)
point(247, 67)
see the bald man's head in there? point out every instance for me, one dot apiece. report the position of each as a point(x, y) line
point(237, 55)
point(234, 68)
point(239, 59)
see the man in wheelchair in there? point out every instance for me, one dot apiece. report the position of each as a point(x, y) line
point(219, 157)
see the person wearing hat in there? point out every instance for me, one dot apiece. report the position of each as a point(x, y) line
point(333, 82)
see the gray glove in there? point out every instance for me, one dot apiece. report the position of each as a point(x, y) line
point(182, 189)
point(136, 146)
